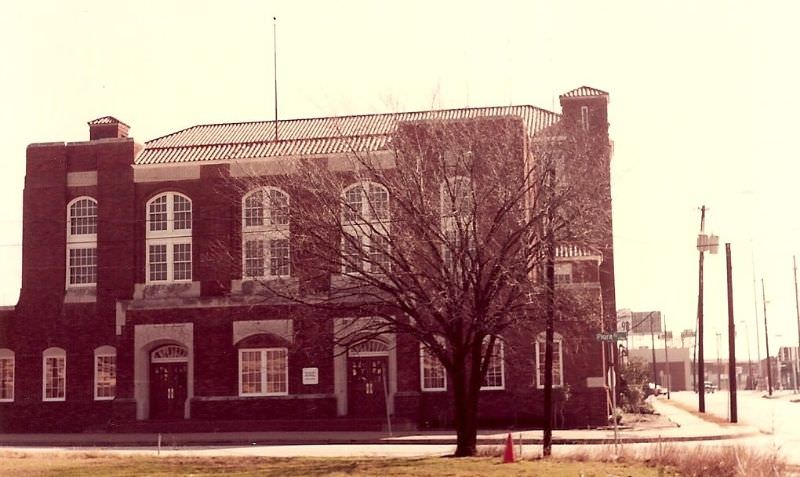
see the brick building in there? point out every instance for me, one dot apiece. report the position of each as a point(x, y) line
point(124, 317)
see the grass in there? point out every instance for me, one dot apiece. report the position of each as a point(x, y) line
point(106, 465)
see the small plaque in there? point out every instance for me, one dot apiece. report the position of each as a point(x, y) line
point(310, 375)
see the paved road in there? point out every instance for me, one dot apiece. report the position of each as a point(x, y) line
point(778, 417)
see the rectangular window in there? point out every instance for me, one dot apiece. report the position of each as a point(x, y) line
point(279, 257)
point(105, 377)
point(563, 273)
point(278, 208)
point(352, 260)
point(182, 261)
point(55, 382)
point(6, 379)
point(254, 258)
point(433, 376)
point(82, 266)
point(157, 257)
point(558, 378)
point(83, 218)
point(378, 253)
point(182, 213)
point(585, 118)
point(263, 372)
point(494, 378)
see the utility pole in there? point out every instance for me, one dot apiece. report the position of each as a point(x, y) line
point(666, 357)
point(701, 388)
point(766, 338)
point(797, 309)
point(732, 383)
point(755, 313)
point(719, 363)
point(653, 349)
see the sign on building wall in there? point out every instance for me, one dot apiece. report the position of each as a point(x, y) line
point(310, 375)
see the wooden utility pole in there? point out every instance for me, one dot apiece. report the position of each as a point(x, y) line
point(701, 372)
point(653, 348)
point(766, 338)
point(731, 338)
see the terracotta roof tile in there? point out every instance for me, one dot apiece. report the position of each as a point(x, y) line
point(106, 120)
point(327, 135)
point(583, 91)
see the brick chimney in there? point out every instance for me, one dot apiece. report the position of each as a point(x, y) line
point(107, 127)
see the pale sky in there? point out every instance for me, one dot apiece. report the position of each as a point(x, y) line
point(703, 107)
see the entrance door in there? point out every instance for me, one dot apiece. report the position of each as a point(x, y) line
point(167, 390)
point(366, 391)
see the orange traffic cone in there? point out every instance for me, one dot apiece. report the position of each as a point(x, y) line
point(508, 455)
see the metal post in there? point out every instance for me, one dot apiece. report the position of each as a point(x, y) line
point(766, 338)
point(666, 357)
point(653, 349)
point(797, 309)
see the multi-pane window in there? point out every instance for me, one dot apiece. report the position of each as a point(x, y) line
point(82, 242)
point(365, 216)
point(494, 378)
point(433, 376)
point(105, 373)
point(169, 238)
point(457, 211)
point(585, 118)
point(563, 273)
point(82, 265)
point(6, 375)
point(54, 374)
point(558, 367)
point(265, 234)
point(263, 372)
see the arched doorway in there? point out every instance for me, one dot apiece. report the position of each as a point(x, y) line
point(367, 378)
point(168, 370)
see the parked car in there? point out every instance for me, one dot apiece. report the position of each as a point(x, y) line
point(709, 386)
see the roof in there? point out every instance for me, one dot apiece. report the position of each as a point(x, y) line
point(583, 91)
point(106, 120)
point(326, 135)
point(577, 252)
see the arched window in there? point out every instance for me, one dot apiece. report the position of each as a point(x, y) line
point(265, 233)
point(365, 222)
point(54, 374)
point(169, 238)
point(82, 242)
point(558, 360)
point(495, 373)
point(105, 373)
point(6, 375)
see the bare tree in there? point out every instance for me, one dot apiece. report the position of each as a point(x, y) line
point(444, 235)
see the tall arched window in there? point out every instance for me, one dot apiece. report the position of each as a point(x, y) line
point(265, 233)
point(558, 360)
point(365, 222)
point(169, 238)
point(54, 374)
point(457, 210)
point(6, 375)
point(82, 242)
point(105, 373)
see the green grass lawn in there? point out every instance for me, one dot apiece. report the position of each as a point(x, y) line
point(103, 465)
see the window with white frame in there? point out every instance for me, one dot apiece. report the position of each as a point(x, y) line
point(6, 375)
point(105, 373)
point(169, 238)
point(495, 372)
point(263, 372)
point(563, 273)
point(54, 374)
point(81, 242)
point(558, 361)
point(585, 118)
point(433, 375)
point(457, 211)
point(265, 233)
point(365, 220)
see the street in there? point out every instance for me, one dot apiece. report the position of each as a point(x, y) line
point(777, 417)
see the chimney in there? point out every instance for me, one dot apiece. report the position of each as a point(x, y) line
point(107, 127)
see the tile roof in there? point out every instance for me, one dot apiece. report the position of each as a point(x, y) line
point(328, 135)
point(583, 91)
point(576, 251)
point(106, 120)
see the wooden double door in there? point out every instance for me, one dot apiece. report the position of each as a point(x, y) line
point(367, 386)
point(167, 390)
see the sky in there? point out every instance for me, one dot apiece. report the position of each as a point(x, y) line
point(703, 108)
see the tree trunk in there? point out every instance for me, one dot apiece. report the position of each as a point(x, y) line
point(466, 416)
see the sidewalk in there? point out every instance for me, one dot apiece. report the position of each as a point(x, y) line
point(687, 428)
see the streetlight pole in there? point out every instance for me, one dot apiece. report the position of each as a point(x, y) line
point(749, 358)
point(653, 349)
point(797, 352)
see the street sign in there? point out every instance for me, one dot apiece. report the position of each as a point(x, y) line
point(615, 336)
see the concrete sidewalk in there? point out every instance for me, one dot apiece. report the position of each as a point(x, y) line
point(687, 427)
